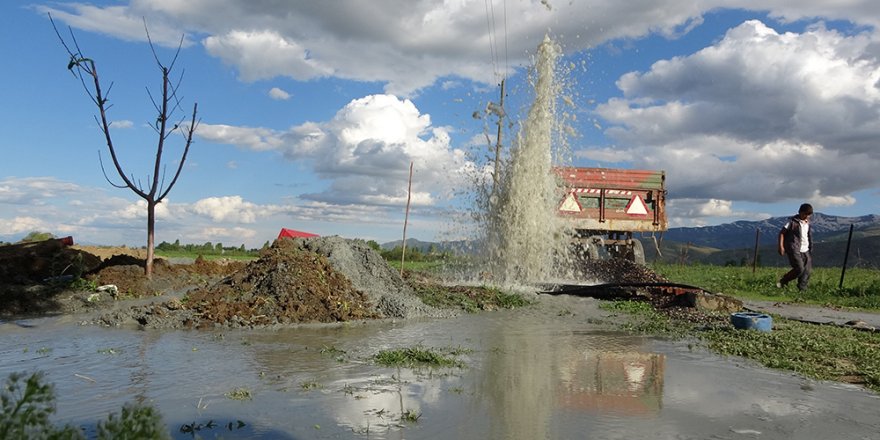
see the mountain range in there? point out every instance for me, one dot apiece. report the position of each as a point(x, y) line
point(734, 243)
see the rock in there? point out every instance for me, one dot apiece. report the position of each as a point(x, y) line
point(708, 302)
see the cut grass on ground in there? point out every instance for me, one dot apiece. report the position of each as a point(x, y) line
point(815, 351)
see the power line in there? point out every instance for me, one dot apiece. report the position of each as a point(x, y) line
point(490, 18)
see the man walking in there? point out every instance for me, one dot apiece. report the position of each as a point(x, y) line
point(796, 241)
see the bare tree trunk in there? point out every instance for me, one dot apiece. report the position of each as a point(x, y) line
point(87, 72)
point(151, 229)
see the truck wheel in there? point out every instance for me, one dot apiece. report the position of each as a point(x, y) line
point(637, 254)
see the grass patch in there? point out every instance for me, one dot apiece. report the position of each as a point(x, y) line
point(239, 394)
point(410, 416)
point(815, 351)
point(419, 356)
point(861, 286)
point(471, 299)
point(645, 320)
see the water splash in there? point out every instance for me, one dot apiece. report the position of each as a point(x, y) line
point(525, 238)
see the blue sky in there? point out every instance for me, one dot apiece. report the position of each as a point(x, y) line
point(311, 112)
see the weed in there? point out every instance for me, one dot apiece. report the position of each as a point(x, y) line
point(83, 285)
point(310, 385)
point(110, 351)
point(418, 355)
point(410, 416)
point(26, 408)
point(239, 394)
point(333, 351)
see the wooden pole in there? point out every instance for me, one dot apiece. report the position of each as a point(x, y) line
point(498, 139)
point(846, 256)
point(755, 258)
point(406, 219)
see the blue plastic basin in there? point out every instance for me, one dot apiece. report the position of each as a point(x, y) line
point(752, 321)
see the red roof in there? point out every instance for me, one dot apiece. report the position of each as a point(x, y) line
point(292, 233)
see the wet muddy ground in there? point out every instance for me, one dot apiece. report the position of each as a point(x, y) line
point(205, 355)
point(550, 370)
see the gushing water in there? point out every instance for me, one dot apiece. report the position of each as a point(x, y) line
point(524, 234)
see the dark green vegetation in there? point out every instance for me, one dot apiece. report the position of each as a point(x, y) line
point(820, 352)
point(28, 403)
point(471, 299)
point(733, 244)
point(861, 287)
point(207, 250)
point(420, 356)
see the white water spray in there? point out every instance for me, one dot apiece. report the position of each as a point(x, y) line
point(524, 232)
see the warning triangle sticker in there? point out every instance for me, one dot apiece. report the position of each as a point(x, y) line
point(636, 206)
point(570, 204)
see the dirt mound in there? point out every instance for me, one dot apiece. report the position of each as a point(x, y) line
point(370, 273)
point(286, 285)
point(618, 270)
point(27, 263)
point(322, 279)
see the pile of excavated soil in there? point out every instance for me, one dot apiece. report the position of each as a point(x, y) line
point(35, 278)
point(321, 279)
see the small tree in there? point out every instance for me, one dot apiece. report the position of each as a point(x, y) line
point(166, 107)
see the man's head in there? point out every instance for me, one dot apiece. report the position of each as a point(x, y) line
point(805, 211)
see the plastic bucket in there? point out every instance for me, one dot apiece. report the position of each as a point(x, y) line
point(752, 321)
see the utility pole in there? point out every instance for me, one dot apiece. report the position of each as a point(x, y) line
point(500, 113)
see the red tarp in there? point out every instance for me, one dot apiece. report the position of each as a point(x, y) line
point(295, 234)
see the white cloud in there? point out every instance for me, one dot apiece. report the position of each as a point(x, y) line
point(759, 116)
point(279, 94)
point(122, 124)
point(124, 22)
point(19, 225)
point(265, 54)
point(231, 209)
point(411, 47)
point(34, 190)
point(365, 151)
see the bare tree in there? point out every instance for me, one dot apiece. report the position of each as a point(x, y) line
point(166, 107)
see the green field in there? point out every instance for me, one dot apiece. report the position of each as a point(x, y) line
point(861, 287)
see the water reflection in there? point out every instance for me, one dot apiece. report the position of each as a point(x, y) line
point(525, 377)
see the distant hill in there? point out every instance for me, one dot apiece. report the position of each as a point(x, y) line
point(741, 234)
point(734, 243)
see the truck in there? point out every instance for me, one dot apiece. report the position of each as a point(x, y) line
point(604, 207)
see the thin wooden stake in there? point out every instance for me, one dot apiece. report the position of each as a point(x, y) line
point(406, 219)
point(755, 258)
point(846, 255)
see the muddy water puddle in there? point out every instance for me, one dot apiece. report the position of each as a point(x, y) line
point(526, 375)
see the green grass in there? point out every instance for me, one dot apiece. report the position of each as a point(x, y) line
point(861, 288)
point(419, 356)
point(816, 351)
point(418, 266)
point(819, 352)
point(209, 257)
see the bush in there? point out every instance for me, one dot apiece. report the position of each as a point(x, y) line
point(27, 407)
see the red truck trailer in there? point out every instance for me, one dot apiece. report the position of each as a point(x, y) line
point(605, 206)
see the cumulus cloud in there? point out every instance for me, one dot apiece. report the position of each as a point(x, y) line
point(365, 151)
point(125, 22)
point(20, 225)
point(279, 94)
point(231, 209)
point(34, 190)
point(122, 124)
point(759, 116)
